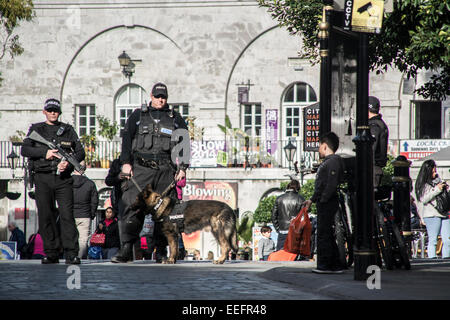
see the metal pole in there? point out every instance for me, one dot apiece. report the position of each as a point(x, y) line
point(365, 254)
point(402, 201)
point(25, 178)
point(325, 76)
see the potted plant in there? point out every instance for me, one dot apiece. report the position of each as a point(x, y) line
point(107, 129)
point(89, 142)
point(17, 139)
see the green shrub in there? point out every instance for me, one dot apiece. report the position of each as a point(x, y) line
point(263, 213)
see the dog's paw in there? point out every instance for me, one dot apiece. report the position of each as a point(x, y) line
point(169, 261)
point(218, 261)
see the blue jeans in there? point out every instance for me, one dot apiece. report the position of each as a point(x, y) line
point(436, 226)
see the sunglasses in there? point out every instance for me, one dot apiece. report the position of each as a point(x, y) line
point(52, 110)
point(160, 96)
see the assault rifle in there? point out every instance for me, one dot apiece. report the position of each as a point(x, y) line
point(65, 156)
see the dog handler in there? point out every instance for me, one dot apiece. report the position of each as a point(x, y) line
point(146, 156)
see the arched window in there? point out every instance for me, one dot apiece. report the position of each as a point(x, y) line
point(298, 95)
point(128, 99)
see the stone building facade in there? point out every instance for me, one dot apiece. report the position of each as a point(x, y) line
point(209, 53)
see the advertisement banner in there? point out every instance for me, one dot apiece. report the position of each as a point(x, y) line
point(271, 129)
point(311, 127)
point(209, 190)
point(212, 190)
point(204, 153)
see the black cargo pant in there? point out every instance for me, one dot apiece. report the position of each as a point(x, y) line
point(159, 179)
point(327, 250)
point(62, 234)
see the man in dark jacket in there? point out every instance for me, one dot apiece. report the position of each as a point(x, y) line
point(286, 207)
point(85, 202)
point(17, 236)
point(380, 131)
point(328, 177)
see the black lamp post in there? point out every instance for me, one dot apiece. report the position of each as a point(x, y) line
point(13, 161)
point(289, 150)
point(127, 65)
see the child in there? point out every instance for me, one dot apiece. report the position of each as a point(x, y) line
point(266, 245)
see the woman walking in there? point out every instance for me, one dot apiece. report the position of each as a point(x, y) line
point(428, 186)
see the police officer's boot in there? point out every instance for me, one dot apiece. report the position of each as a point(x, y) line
point(125, 254)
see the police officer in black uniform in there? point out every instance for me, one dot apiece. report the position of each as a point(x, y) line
point(146, 156)
point(328, 176)
point(54, 184)
point(380, 131)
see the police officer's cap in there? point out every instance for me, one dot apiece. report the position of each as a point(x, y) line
point(52, 104)
point(374, 104)
point(160, 89)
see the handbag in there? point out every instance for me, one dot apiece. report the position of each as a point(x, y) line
point(97, 240)
point(443, 202)
point(298, 239)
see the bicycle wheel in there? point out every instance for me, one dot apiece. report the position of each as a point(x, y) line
point(384, 239)
point(344, 241)
point(401, 247)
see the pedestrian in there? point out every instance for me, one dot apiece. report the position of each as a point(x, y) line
point(210, 255)
point(197, 255)
point(328, 177)
point(38, 246)
point(85, 202)
point(54, 183)
point(428, 186)
point(114, 179)
point(109, 226)
point(146, 158)
point(18, 237)
point(266, 245)
point(286, 207)
point(380, 131)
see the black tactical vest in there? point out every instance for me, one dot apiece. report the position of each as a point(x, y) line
point(62, 137)
point(153, 136)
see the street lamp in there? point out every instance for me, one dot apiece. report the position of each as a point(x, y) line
point(289, 150)
point(127, 65)
point(13, 161)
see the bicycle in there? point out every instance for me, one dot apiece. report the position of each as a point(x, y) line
point(390, 241)
point(343, 226)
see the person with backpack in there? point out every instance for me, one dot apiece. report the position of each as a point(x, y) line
point(35, 248)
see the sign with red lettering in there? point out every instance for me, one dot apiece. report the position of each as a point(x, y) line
point(311, 127)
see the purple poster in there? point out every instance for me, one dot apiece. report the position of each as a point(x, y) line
point(271, 129)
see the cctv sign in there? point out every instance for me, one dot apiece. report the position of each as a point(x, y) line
point(363, 15)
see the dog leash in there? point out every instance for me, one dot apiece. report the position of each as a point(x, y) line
point(163, 195)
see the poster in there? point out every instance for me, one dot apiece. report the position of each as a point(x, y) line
point(8, 250)
point(227, 192)
point(212, 190)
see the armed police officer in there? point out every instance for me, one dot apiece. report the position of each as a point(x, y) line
point(54, 183)
point(380, 131)
point(147, 145)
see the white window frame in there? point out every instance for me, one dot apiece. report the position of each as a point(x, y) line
point(297, 107)
point(89, 127)
point(128, 107)
point(253, 126)
point(182, 108)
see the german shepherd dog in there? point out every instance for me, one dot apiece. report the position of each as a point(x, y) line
point(198, 214)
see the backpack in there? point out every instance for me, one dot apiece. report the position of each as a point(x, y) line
point(298, 240)
point(28, 249)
